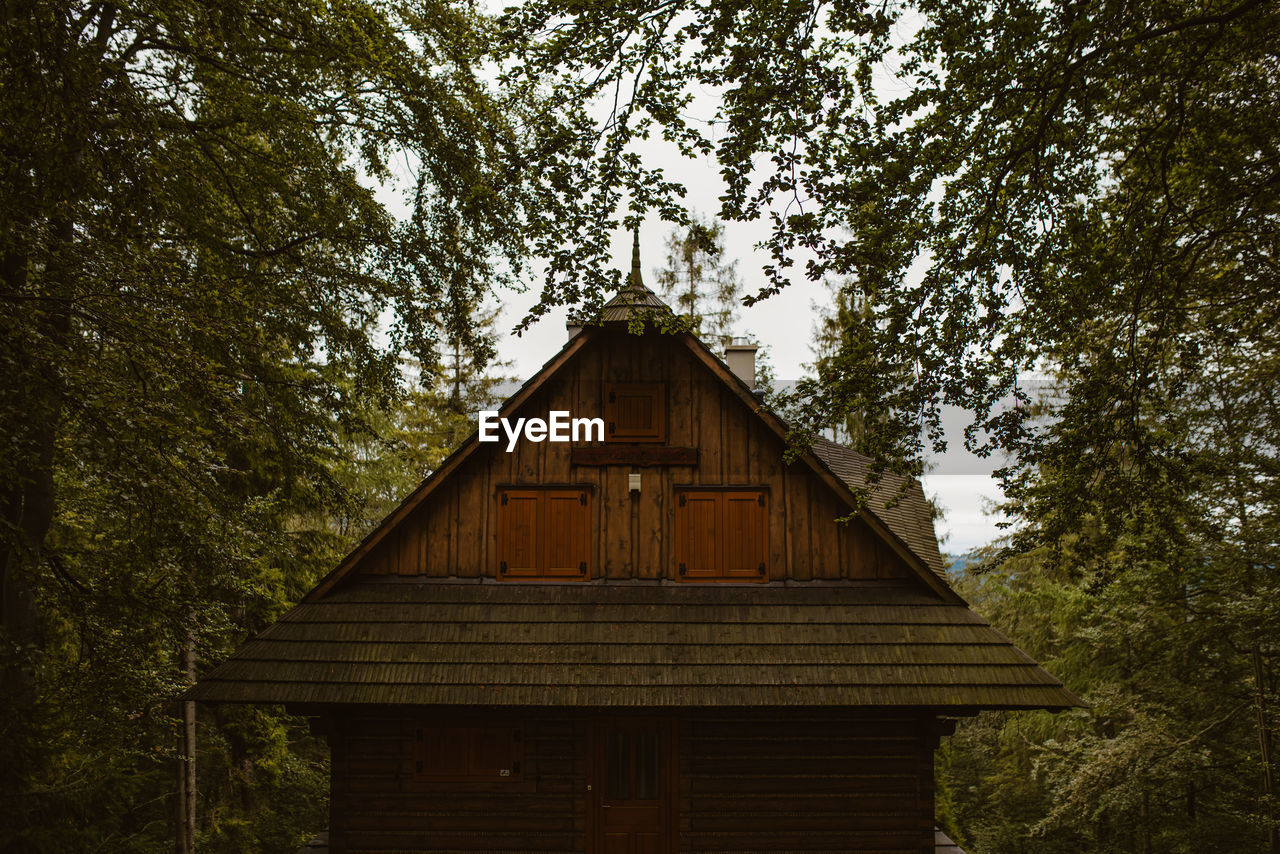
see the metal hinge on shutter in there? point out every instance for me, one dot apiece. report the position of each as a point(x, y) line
point(613, 397)
point(612, 428)
point(582, 567)
point(502, 567)
point(681, 500)
point(683, 569)
point(760, 569)
point(582, 499)
point(760, 500)
point(504, 499)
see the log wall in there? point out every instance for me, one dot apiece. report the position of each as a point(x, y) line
point(811, 784)
point(748, 781)
point(378, 805)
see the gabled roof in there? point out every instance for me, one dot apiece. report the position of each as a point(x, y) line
point(409, 640)
point(900, 516)
point(414, 641)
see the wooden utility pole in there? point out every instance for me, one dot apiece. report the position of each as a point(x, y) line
point(1264, 747)
point(186, 838)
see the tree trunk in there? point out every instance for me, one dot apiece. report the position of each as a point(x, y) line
point(19, 621)
point(41, 306)
point(33, 422)
point(1146, 822)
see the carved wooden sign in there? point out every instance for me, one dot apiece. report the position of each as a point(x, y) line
point(633, 455)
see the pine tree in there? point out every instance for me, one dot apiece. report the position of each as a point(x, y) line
point(701, 280)
point(393, 450)
point(833, 325)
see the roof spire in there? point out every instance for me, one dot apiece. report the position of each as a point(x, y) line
point(634, 280)
point(633, 298)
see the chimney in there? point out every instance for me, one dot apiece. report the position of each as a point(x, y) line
point(740, 356)
point(574, 323)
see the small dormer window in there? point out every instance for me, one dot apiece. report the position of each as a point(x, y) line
point(635, 412)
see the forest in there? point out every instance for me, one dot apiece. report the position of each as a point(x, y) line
point(250, 253)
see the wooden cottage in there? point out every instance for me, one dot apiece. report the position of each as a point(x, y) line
point(659, 641)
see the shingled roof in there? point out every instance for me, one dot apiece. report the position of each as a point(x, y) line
point(895, 500)
point(634, 644)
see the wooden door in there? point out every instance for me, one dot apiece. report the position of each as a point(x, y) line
point(632, 787)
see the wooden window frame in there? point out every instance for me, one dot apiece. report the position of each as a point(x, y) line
point(657, 391)
point(467, 731)
point(719, 573)
point(544, 495)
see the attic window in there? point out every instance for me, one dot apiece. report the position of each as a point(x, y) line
point(455, 753)
point(722, 534)
point(635, 412)
point(543, 533)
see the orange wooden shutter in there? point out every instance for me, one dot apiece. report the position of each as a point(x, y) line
point(565, 530)
point(746, 532)
point(519, 533)
point(635, 412)
point(722, 534)
point(543, 533)
point(698, 534)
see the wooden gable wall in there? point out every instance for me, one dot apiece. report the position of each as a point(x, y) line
point(453, 533)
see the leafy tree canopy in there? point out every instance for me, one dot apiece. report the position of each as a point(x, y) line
point(1011, 186)
point(203, 296)
point(1085, 190)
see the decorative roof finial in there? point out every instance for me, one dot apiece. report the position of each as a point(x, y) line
point(634, 279)
point(633, 300)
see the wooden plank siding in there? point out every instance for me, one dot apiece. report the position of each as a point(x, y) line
point(453, 534)
point(747, 781)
